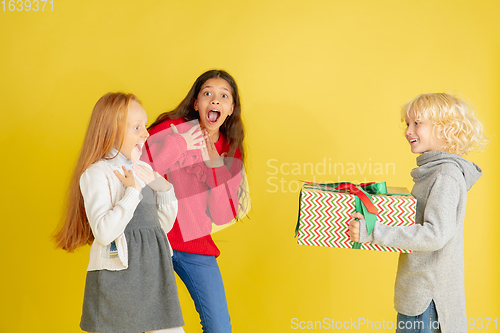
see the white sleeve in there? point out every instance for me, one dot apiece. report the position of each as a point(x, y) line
point(167, 208)
point(106, 221)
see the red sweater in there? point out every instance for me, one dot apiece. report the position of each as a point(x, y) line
point(205, 195)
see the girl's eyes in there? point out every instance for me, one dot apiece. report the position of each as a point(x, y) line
point(208, 93)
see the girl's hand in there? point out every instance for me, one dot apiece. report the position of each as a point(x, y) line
point(152, 178)
point(209, 152)
point(354, 227)
point(193, 137)
point(128, 180)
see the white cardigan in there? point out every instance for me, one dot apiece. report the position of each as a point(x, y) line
point(110, 206)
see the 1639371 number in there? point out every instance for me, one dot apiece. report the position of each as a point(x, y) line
point(482, 323)
point(27, 5)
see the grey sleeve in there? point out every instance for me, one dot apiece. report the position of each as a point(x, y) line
point(440, 220)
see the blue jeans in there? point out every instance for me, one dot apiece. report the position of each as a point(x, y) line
point(427, 322)
point(201, 275)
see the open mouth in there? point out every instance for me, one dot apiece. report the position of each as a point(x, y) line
point(412, 141)
point(213, 116)
point(138, 148)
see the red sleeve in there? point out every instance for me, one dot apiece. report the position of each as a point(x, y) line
point(223, 197)
point(226, 172)
point(163, 147)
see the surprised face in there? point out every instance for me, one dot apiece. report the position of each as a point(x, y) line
point(214, 103)
point(136, 132)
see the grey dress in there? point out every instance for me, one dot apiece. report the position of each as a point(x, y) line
point(142, 297)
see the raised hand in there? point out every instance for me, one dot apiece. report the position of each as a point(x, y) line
point(194, 138)
point(209, 153)
point(128, 179)
point(152, 178)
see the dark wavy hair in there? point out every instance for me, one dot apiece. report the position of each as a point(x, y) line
point(232, 128)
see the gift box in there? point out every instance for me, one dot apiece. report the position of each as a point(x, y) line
point(325, 210)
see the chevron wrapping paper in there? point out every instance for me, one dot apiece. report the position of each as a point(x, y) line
point(324, 216)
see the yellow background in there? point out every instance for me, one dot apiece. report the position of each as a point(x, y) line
point(321, 81)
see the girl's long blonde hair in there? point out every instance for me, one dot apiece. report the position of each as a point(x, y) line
point(453, 118)
point(106, 131)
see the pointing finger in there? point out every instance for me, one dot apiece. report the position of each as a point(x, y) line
point(174, 129)
point(119, 175)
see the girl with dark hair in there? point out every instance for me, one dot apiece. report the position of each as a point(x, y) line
point(198, 146)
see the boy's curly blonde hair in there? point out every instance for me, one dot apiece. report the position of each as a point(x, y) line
point(453, 119)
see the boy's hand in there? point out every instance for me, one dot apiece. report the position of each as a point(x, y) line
point(354, 226)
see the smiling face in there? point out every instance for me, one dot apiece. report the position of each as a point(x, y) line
point(421, 135)
point(214, 104)
point(135, 132)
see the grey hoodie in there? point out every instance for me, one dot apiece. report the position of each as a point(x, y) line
point(435, 269)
